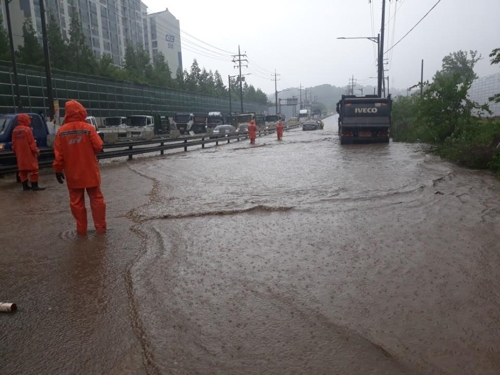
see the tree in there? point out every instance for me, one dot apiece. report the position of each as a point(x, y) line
point(81, 57)
point(192, 79)
point(138, 66)
point(220, 89)
point(31, 52)
point(162, 74)
point(106, 66)
point(58, 46)
point(179, 80)
point(4, 43)
point(445, 107)
point(495, 59)
point(461, 63)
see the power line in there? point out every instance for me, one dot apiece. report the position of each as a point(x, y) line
point(394, 32)
point(400, 40)
point(189, 42)
point(394, 15)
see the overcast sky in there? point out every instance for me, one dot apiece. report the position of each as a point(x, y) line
point(298, 37)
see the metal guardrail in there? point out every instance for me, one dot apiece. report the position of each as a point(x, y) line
point(131, 148)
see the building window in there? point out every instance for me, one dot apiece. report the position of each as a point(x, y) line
point(155, 44)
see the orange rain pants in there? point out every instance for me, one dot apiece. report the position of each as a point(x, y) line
point(97, 205)
point(23, 175)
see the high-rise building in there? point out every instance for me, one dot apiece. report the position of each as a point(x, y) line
point(162, 32)
point(109, 26)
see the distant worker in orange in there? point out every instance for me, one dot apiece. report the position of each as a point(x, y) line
point(252, 131)
point(24, 146)
point(279, 130)
point(76, 146)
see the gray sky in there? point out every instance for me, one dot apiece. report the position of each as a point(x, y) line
point(298, 37)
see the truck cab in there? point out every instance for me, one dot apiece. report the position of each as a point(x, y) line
point(183, 121)
point(9, 122)
point(214, 119)
point(115, 121)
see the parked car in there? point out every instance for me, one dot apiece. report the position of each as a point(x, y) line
point(9, 121)
point(222, 131)
point(310, 125)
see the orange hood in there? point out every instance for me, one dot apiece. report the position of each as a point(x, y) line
point(74, 112)
point(24, 120)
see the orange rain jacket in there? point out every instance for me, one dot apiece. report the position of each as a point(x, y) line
point(75, 149)
point(252, 130)
point(279, 129)
point(24, 144)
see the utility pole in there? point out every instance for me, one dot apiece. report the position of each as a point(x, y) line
point(388, 87)
point(229, 89)
point(362, 91)
point(381, 51)
point(352, 82)
point(19, 103)
point(239, 59)
point(276, 89)
point(48, 72)
point(300, 93)
point(422, 79)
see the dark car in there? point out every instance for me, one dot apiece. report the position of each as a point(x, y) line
point(243, 128)
point(9, 122)
point(222, 131)
point(310, 125)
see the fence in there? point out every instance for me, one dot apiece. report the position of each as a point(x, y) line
point(103, 97)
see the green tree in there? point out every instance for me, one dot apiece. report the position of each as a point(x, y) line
point(106, 66)
point(461, 63)
point(81, 56)
point(220, 89)
point(58, 47)
point(4, 43)
point(162, 74)
point(31, 52)
point(137, 65)
point(179, 80)
point(192, 79)
point(495, 59)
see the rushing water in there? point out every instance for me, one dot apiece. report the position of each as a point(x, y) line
point(300, 256)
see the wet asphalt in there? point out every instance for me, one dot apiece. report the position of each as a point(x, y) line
point(292, 257)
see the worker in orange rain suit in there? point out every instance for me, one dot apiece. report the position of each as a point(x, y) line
point(252, 132)
point(24, 146)
point(279, 130)
point(75, 149)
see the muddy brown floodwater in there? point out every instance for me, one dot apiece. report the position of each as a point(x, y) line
point(297, 257)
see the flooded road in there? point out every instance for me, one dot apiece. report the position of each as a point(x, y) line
point(293, 257)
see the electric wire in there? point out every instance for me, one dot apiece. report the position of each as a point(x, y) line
point(413, 28)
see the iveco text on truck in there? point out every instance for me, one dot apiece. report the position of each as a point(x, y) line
point(364, 119)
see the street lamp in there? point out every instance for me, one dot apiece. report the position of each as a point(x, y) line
point(380, 63)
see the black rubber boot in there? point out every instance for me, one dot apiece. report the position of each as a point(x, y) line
point(26, 185)
point(34, 186)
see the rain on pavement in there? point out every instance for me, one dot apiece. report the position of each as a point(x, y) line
point(295, 257)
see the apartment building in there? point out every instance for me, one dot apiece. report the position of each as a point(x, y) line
point(108, 25)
